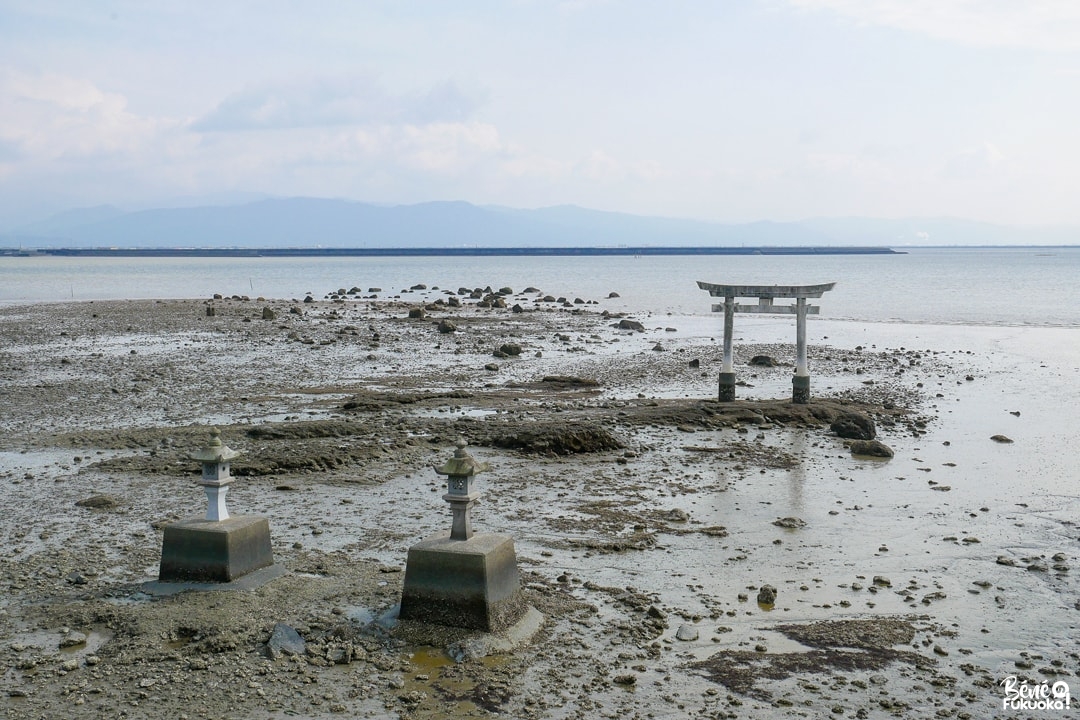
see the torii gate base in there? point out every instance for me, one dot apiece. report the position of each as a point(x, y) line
point(727, 386)
point(800, 383)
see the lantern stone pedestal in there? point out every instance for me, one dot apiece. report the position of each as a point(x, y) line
point(217, 547)
point(460, 578)
point(201, 550)
point(470, 583)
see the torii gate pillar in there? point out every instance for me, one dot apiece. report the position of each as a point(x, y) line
point(800, 382)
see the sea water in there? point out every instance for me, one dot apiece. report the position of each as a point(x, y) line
point(1015, 286)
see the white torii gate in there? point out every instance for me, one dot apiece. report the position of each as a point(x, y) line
point(765, 294)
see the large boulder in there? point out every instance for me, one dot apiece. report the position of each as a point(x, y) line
point(854, 426)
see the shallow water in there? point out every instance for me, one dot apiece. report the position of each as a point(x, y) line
point(980, 286)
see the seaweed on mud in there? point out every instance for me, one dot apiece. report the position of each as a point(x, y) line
point(838, 646)
point(759, 454)
point(638, 540)
point(869, 633)
point(546, 438)
point(619, 525)
point(371, 400)
point(742, 670)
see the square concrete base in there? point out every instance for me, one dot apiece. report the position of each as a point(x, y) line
point(470, 583)
point(196, 549)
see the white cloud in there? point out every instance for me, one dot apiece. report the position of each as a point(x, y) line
point(315, 102)
point(973, 162)
point(52, 117)
point(1034, 24)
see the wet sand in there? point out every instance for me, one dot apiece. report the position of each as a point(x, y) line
point(644, 512)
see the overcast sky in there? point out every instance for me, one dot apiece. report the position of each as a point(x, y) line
point(727, 110)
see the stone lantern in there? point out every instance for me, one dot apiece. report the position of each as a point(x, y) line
point(215, 480)
point(461, 490)
point(463, 579)
point(217, 547)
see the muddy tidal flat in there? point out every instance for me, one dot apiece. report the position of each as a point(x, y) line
point(691, 558)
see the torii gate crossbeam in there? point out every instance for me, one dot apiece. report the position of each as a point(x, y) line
point(765, 294)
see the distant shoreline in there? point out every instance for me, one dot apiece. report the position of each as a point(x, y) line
point(448, 251)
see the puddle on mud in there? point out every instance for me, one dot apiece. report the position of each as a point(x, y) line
point(434, 673)
point(60, 641)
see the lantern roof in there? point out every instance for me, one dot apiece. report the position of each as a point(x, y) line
point(462, 463)
point(215, 451)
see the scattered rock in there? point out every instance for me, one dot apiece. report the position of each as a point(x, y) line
point(73, 639)
point(764, 361)
point(634, 325)
point(854, 426)
point(445, 326)
point(1001, 438)
point(284, 640)
point(790, 522)
point(687, 633)
point(767, 595)
point(99, 502)
point(871, 448)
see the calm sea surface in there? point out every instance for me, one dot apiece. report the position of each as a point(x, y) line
point(970, 286)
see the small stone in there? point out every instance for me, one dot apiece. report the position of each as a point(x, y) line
point(99, 502)
point(686, 633)
point(284, 640)
point(1001, 438)
point(73, 639)
point(766, 595)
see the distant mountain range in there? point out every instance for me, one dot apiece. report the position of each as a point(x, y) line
point(311, 222)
